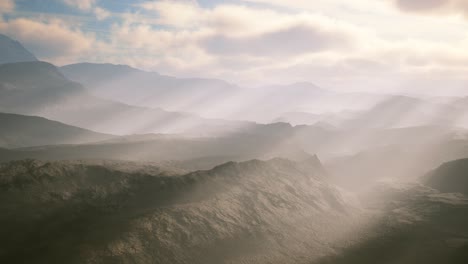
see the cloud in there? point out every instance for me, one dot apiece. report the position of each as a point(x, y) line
point(81, 4)
point(294, 40)
point(101, 13)
point(258, 44)
point(89, 6)
point(7, 6)
point(433, 6)
point(357, 45)
point(233, 30)
point(52, 40)
point(176, 13)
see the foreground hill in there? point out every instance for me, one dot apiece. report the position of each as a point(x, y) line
point(252, 212)
point(26, 131)
point(13, 51)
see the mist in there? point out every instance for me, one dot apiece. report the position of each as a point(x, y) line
point(233, 132)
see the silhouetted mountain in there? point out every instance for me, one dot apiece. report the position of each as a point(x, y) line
point(353, 156)
point(260, 142)
point(38, 88)
point(194, 95)
point(329, 120)
point(250, 212)
point(13, 51)
point(149, 89)
point(26, 131)
point(451, 177)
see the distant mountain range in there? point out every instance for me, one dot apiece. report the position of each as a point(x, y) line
point(299, 103)
point(125, 84)
point(47, 93)
point(12, 51)
point(194, 153)
point(127, 93)
point(195, 95)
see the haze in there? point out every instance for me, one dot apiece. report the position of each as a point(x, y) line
point(318, 132)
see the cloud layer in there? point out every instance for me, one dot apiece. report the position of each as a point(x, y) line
point(6, 6)
point(52, 40)
point(434, 6)
point(334, 43)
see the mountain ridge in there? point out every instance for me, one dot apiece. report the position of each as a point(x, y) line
point(28, 131)
point(49, 94)
point(231, 212)
point(12, 51)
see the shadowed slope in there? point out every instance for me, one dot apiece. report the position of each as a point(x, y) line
point(26, 131)
point(250, 212)
point(13, 51)
point(450, 177)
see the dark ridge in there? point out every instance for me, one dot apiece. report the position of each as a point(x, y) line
point(450, 177)
point(12, 51)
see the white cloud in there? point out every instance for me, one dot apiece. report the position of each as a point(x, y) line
point(51, 40)
point(433, 6)
point(259, 44)
point(81, 4)
point(7, 6)
point(362, 44)
point(89, 6)
point(295, 40)
point(176, 13)
point(237, 29)
point(101, 13)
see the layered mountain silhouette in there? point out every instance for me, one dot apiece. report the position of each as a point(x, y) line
point(263, 142)
point(27, 131)
point(47, 93)
point(12, 51)
point(147, 89)
point(256, 212)
point(196, 95)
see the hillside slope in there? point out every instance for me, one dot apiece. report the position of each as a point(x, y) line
point(251, 212)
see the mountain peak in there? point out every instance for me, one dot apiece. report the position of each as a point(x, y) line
point(12, 51)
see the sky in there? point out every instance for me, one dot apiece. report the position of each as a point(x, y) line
point(411, 46)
